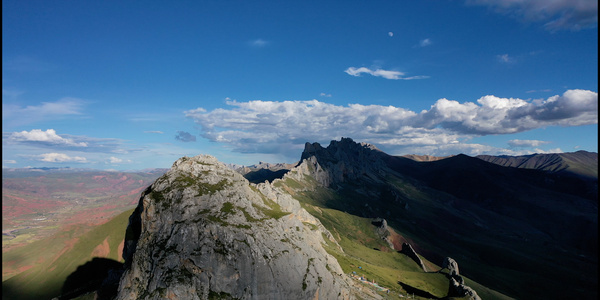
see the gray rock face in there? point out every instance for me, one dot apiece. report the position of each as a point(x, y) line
point(202, 230)
point(408, 250)
point(451, 265)
point(459, 289)
point(457, 283)
point(342, 161)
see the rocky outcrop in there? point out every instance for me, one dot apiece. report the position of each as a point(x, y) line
point(203, 231)
point(459, 289)
point(457, 283)
point(386, 233)
point(451, 265)
point(408, 250)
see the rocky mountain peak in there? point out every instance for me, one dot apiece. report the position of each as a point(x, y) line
point(343, 160)
point(203, 231)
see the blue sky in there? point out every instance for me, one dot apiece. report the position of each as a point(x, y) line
point(137, 84)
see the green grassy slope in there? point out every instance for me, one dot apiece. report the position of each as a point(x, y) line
point(365, 253)
point(338, 210)
point(45, 280)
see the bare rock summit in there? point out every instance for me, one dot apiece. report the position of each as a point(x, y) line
point(203, 231)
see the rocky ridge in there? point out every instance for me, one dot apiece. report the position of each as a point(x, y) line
point(340, 162)
point(202, 230)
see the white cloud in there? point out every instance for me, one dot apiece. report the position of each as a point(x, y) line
point(59, 158)
point(9, 161)
point(508, 115)
point(556, 15)
point(425, 42)
point(276, 127)
point(504, 58)
point(49, 139)
point(387, 74)
point(325, 95)
point(526, 143)
point(46, 137)
point(541, 151)
point(390, 34)
point(154, 131)
point(114, 160)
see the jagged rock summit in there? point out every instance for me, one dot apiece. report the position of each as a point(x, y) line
point(341, 161)
point(202, 231)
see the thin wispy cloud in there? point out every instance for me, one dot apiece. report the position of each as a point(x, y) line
point(526, 143)
point(154, 131)
point(425, 42)
point(539, 91)
point(555, 15)
point(505, 58)
point(266, 126)
point(387, 74)
point(15, 115)
point(325, 95)
point(11, 93)
point(26, 64)
point(258, 43)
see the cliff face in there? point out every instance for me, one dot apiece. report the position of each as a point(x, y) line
point(203, 231)
point(342, 161)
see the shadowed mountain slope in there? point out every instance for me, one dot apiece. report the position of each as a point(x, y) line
point(515, 230)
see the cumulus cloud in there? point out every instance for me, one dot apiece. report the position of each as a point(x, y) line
point(48, 137)
point(387, 74)
point(526, 143)
point(271, 126)
point(185, 136)
point(59, 158)
point(496, 115)
point(556, 15)
point(114, 160)
point(20, 115)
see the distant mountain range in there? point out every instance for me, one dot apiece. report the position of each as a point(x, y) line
point(349, 221)
point(580, 163)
